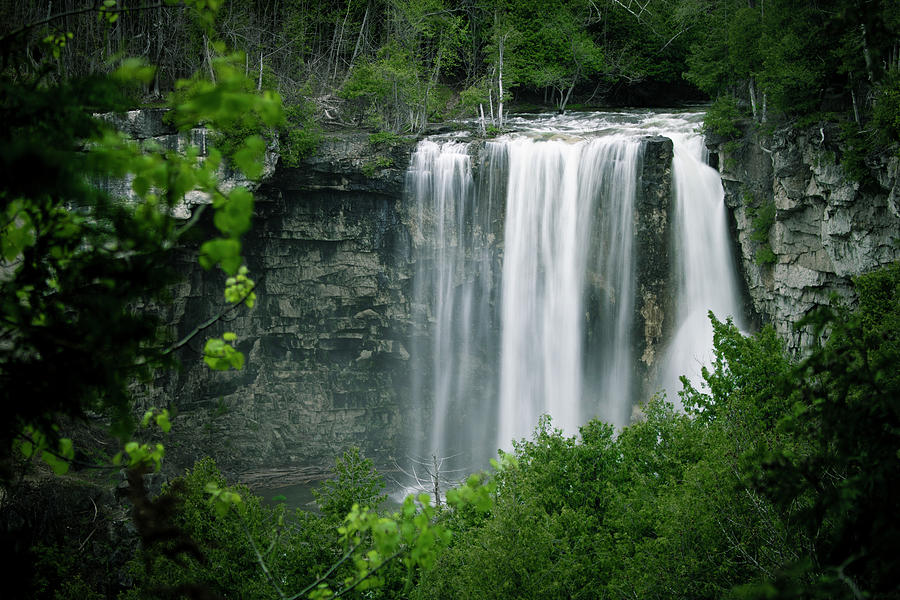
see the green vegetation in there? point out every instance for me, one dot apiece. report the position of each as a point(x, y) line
point(722, 118)
point(77, 261)
point(807, 64)
point(371, 167)
point(357, 483)
point(762, 219)
point(249, 550)
point(300, 134)
point(780, 482)
point(385, 139)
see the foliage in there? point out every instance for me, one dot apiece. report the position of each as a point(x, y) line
point(762, 218)
point(387, 139)
point(77, 261)
point(221, 562)
point(722, 118)
point(243, 548)
point(780, 482)
point(886, 112)
point(357, 482)
point(847, 422)
point(380, 162)
point(301, 135)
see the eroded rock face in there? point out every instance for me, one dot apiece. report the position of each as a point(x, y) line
point(827, 227)
point(653, 241)
point(327, 365)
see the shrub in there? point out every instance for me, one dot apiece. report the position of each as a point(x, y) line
point(722, 118)
point(357, 482)
point(763, 217)
point(300, 135)
point(216, 554)
point(886, 112)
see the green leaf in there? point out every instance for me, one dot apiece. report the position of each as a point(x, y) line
point(59, 466)
point(233, 217)
point(27, 449)
point(162, 420)
point(221, 251)
point(249, 158)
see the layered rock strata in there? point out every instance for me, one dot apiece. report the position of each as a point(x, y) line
point(655, 299)
point(827, 227)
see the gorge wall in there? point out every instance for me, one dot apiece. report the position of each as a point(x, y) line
point(326, 361)
point(827, 227)
point(333, 249)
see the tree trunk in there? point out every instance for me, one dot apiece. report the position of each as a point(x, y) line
point(212, 72)
point(751, 85)
point(259, 80)
point(491, 103)
point(359, 38)
point(500, 85)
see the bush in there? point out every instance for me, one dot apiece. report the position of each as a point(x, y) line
point(357, 482)
point(300, 135)
point(722, 118)
point(216, 552)
point(385, 139)
point(763, 217)
point(886, 112)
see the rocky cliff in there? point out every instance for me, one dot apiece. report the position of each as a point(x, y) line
point(326, 362)
point(334, 249)
point(826, 228)
point(655, 299)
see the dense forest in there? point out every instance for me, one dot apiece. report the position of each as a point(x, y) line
point(398, 64)
point(781, 481)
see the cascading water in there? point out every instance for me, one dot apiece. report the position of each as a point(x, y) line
point(704, 264)
point(565, 200)
point(451, 349)
point(524, 293)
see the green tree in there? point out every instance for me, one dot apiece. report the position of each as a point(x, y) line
point(76, 261)
point(844, 468)
point(357, 482)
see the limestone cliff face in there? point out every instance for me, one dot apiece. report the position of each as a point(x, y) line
point(653, 215)
point(827, 228)
point(327, 365)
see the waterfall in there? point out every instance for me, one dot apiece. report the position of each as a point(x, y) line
point(705, 266)
point(565, 199)
point(524, 293)
point(451, 356)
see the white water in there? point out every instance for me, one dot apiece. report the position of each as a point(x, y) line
point(558, 191)
point(550, 214)
point(451, 287)
point(705, 270)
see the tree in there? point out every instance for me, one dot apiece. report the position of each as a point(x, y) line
point(76, 262)
point(357, 483)
point(844, 470)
